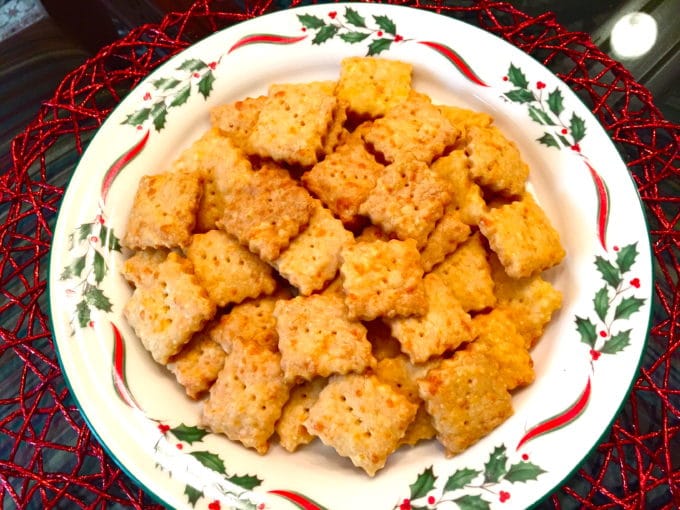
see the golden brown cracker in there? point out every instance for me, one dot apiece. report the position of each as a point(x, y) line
point(196, 366)
point(141, 267)
point(237, 119)
point(291, 426)
point(464, 118)
point(449, 232)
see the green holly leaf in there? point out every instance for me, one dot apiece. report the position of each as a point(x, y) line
point(99, 267)
point(84, 231)
point(109, 239)
point(555, 102)
point(520, 96)
point(564, 141)
point(159, 113)
point(423, 484)
point(523, 472)
point(188, 434)
point(182, 96)
point(538, 115)
point(601, 302)
point(577, 126)
point(193, 65)
point(470, 502)
point(326, 32)
point(83, 313)
point(386, 24)
point(587, 331)
point(354, 18)
point(192, 494)
point(138, 118)
point(354, 37)
point(548, 140)
point(626, 256)
point(165, 83)
point(609, 272)
point(616, 343)
point(460, 479)
point(74, 269)
point(210, 460)
point(309, 21)
point(378, 46)
point(495, 467)
point(96, 297)
point(205, 84)
point(517, 78)
point(627, 307)
point(248, 482)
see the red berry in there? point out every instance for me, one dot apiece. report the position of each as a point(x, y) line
point(91, 324)
point(380, 34)
point(503, 496)
point(332, 14)
point(261, 506)
point(576, 147)
point(505, 78)
point(398, 38)
point(635, 282)
point(197, 75)
point(94, 239)
point(212, 65)
point(431, 500)
point(147, 96)
point(540, 85)
point(304, 29)
point(603, 334)
point(595, 354)
point(565, 131)
point(214, 505)
point(179, 446)
point(525, 457)
point(405, 505)
point(163, 427)
point(616, 248)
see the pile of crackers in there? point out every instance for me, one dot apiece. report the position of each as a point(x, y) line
point(344, 260)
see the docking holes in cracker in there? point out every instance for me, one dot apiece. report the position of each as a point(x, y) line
point(332, 248)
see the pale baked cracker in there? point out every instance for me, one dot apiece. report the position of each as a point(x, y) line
point(467, 273)
point(407, 200)
point(465, 399)
point(246, 400)
point(164, 210)
point(383, 279)
point(293, 123)
point(522, 237)
point(196, 366)
point(313, 257)
point(166, 313)
point(361, 418)
point(265, 211)
point(291, 426)
point(413, 129)
point(228, 271)
point(449, 232)
point(337, 132)
point(498, 339)
point(141, 268)
point(495, 161)
point(464, 118)
point(371, 86)
point(443, 328)
point(317, 338)
point(237, 119)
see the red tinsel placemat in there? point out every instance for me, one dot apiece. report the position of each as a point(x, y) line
point(49, 457)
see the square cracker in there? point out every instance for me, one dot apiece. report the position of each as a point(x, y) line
point(449, 232)
point(465, 399)
point(383, 279)
point(141, 268)
point(317, 338)
point(238, 119)
point(313, 257)
point(467, 273)
point(464, 118)
point(164, 210)
point(167, 312)
point(372, 86)
point(361, 418)
point(498, 339)
point(413, 129)
point(291, 426)
point(407, 200)
point(294, 122)
point(522, 237)
point(196, 366)
point(495, 161)
point(228, 271)
point(530, 301)
point(266, 210)
point(246, 400)
point(443, 328)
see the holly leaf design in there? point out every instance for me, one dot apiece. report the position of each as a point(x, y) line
point(609, 272)
point(423, 484)
point(495, 467)
point(470, 502)
point(564, 141)
point(386, 24)
point(159, 113)
point(248, 482)
point(193, 65)
point(326, 32)
point(83, 313)
point(205, 84)
point(84, 231)
point(538, 115)
point(378, 46)
point(109, 239)
point(99, 265)
point(309, 21)
point(555, 102)
point(182, 96)
point(188, 434)
point(586, 329)
point(626, 256)
point(192, 494)
point(627, 307)
point(460, 479)
point(137, 118)
point(523, 472)
point(165, 83)
point(601, 302)
point(74, 269)
point(548, 140)
point(210, 460)
point(520, 96)
point(517, 78)
point(354, 18)
point(577, 126)
point(616, 343)
point(94, 296)
point(354, 37)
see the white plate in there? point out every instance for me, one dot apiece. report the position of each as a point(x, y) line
point(584, 365)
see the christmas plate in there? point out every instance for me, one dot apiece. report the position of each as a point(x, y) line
point(584, 365)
